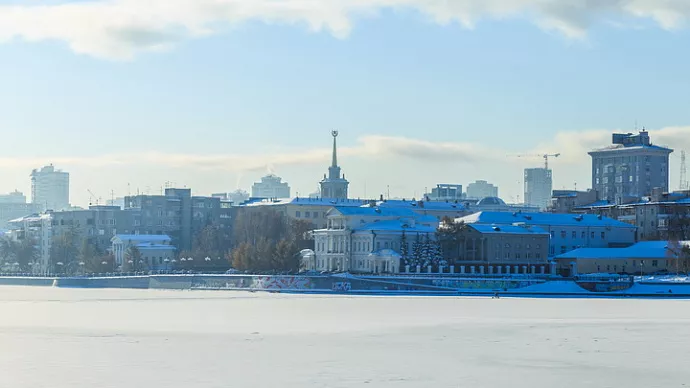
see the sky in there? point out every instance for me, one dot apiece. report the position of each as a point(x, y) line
point(127, 95)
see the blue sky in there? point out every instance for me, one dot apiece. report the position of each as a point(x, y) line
point(417, 101)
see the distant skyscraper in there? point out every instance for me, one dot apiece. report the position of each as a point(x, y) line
point(13, 197)
point(445, 192)
point(538, 187)
point(334, 185)
point(481, 189)
point(271, 186)
point(50, 188)
point(631, 167)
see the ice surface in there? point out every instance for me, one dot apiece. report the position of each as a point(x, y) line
point(74, 338)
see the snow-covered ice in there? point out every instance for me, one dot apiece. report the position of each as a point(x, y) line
point(74, 338)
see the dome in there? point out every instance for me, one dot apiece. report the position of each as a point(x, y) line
point(491, 201)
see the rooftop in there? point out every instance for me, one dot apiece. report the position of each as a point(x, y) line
point(375, 211)
point(507, 229)
point(560, 219)
point(641, 250)
point(398, 225)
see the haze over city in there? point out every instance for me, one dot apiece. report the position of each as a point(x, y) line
point(213, 94)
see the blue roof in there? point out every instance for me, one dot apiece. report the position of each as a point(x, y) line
point(602, 203)
point(306, 201)
point(546, 219)
point(376, 211)
point(143, 237)
point(397, 225)
point(641, 250)
point(155, 246)
point(423, 205)
point(509, 229)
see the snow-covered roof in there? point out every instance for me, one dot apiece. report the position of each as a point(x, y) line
point(621, 147)
point(397, 225)
point(305, 201)
point(374, 211)
point(551, 219)
point(423, 205)
point(641, 250)
point(143, 237)
point(507, 229)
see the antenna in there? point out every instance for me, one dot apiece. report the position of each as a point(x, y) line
point(683, 172)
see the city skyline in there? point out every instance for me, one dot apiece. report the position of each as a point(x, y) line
point(421, 93)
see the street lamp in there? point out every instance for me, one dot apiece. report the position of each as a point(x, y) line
point(166, 261)
point(81, 266)
point(59, 264)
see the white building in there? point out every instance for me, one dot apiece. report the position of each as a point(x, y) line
point(366, 239)
point(538, 187)
point(40, 229)
point(50, 188)
point(481, 189)
point(156, 251)
point(271, 186)
point(445, 192)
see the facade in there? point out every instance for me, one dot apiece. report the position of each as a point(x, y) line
point(10, 211)
point(271, 186)
point(538, 187)
point(631, 167)
point(300, 208)
point(502, 249)
point(567, 231)
point(334, 185)
point(366, 239)
point(498, 205)
point(13, 197)
point(156, 251)
point(50, 188)
point(566, 201)
point(177, 214)
point(481, 189)
point(647, 257)
point(445, 192)
point(38, 228)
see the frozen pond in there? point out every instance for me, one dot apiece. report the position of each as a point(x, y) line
point(71, 338)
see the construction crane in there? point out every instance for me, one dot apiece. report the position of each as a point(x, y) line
point(545, 156)
point(93, 196)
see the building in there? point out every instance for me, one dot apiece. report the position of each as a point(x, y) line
point(50, 188)
point(647, 257)
point(177, 214)
point(367, 239)
point(567, 231)
point(313, 210)
point(13, 197)
point(445, 192)
point(566, 201)
point(39, 229)
point(481, 189)
point(271, 186)
point(538, 186)
point(156, 251)
point(498, 205)
point(501, 249)
point(334, 185)
point(631, 167)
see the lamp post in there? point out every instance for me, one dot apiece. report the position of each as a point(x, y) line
point(166, 261)
point(81, 267)
point(59, 264)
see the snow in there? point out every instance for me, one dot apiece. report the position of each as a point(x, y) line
point(71, 338)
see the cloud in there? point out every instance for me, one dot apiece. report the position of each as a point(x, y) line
point(572, 145)
point(120, 29)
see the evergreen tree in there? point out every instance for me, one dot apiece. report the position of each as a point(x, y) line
point(416, 252)
point(404, 251)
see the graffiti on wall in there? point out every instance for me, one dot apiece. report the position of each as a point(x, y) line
point(479, 284)
point(281, 283)
point(342, 286)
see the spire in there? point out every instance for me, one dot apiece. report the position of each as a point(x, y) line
point(334, 162)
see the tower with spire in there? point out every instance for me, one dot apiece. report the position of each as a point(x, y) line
point(334, 185)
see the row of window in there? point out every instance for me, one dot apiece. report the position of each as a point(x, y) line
point(298, 214)
point(573, 234)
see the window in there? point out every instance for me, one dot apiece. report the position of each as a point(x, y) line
point(517, 256)
point(655, 263)
point(378, 245)
point(563, 249)
point(591, 235)
point(307, 215)
point(652, 223)
point(562, 233)
point(552, 234)
point(385, 245)
point(537, 255)
point(527, 246)
point(528, 256)
point(298, 214)
point(316, 214)
point(603, 235)
point(583, 235)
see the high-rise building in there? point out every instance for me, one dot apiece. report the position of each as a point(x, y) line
point(445, 192)
point(481, 189)
point(631, 167)
point(334, 185)
point(538, 186)
point(50, 188)
point(271, 186)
